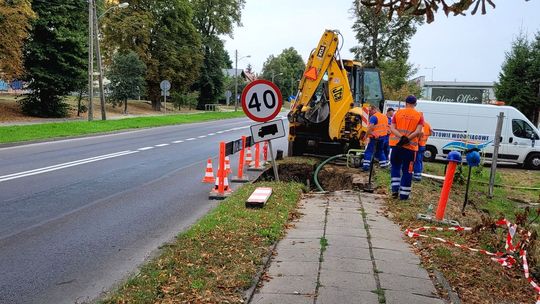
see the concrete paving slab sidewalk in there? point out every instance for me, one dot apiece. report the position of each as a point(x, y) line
point(342, 251)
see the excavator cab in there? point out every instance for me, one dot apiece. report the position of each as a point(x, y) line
point(330, 113)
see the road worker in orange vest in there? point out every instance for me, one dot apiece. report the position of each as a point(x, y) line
point(376, 132)
point(418, 163)
point(405, 130)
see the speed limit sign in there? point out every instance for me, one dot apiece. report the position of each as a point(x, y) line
point(261, 100)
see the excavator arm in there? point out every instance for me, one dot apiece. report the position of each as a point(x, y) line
point(330, 108)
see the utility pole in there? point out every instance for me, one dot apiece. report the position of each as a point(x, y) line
point(100, 69)
point(235, 80)
point(90, 59)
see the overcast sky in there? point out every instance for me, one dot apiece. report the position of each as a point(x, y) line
point(470, 48)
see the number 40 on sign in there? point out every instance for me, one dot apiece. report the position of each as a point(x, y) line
point(261, 100)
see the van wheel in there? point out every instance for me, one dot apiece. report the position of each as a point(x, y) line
point(533, 161)
point(430, 153)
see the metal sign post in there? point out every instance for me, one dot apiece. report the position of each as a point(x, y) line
point(165, 86)
point(274, 165)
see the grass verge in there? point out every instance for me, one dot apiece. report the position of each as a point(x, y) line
point(474, 277)
point(11, 134)
point(217, 258)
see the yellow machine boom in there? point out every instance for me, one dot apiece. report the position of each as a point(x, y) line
point(326, 117)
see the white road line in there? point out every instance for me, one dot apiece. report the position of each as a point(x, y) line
point(177, 141)
point(202, 136)
point(219, 132)
point(145, 148)
point(162, 145)
point(63, 166)
point(211, 134)
point(189, 139)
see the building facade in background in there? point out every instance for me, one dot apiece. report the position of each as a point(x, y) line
point(454, 91)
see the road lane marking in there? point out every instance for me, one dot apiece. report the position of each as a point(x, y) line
point(219, 132)
point(211, 134)
point(145, 148)
point(162, 145)
point(63, 165)
point(177, 141)
point(202, 136)
point(189, 139)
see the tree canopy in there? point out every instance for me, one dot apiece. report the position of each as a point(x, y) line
point(284, 70)
point(55, 56)
point(162, 34)
point(15, 19)
point(428, 8)
point(380, 37)
point(126, 74)
point(212, 19)
point(519, 80)
point(384, 43)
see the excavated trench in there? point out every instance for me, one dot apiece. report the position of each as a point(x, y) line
point(331, 177)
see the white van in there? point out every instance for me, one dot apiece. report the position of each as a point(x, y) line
point(463, 126)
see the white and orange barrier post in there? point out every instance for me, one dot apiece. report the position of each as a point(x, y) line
point(257, 165)
point(240, 178)
point(221, 190)
point(265, 153)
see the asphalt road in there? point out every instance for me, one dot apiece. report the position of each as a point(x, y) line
point(78, 216)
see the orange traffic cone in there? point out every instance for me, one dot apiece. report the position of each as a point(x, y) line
point(227, 166)
point(249, 158)
point(226, 185)
point(209, 174)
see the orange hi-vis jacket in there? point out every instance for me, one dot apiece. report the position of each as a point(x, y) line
point(381, 128)
point(422, 142)
point(407, 120)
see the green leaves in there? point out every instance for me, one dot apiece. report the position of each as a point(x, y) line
point(15, 18)
point(162, 34)
point(285, 70)
point(127, 77)
point(519, 80)
point(55, 56)
point(380, 37)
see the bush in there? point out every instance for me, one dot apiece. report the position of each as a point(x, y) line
point(180, 100)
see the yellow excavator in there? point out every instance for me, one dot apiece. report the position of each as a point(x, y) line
point(330, 113)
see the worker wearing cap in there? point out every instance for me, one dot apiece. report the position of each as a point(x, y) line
point(376, 132)
point(418, 162)
point(406, 127)
point(386, 145)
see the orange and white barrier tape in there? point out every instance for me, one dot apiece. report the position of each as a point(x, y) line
point(504, 259)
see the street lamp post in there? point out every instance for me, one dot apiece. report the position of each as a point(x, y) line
point(432, 68)
point(95, 35)
point(90, 59)
point(274, 74)
point(236, 78)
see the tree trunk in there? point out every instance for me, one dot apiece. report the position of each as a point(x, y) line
point(79, 103)
point(125, 107)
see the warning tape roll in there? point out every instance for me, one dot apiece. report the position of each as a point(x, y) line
point(503, 259)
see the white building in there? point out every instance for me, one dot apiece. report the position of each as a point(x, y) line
point(454, 91)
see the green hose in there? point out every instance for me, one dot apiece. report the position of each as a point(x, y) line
point(316, 174)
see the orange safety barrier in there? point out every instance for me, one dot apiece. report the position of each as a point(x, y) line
point(453, 159)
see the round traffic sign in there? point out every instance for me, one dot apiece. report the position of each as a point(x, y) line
point(165, 85)
point(261, 100)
